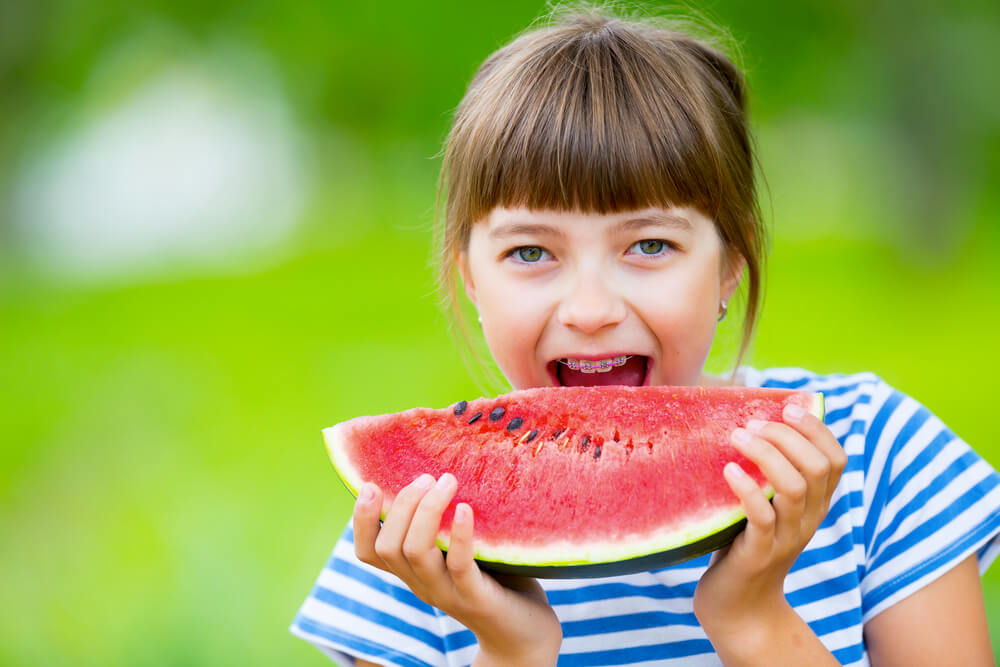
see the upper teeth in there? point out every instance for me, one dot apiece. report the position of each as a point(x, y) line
point(598, 366)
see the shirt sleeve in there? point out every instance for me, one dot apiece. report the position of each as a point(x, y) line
point(931, 501)
point(357, 611)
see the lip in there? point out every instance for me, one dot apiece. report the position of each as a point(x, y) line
point(551, 366)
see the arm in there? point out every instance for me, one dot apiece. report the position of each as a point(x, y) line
point(943, 623)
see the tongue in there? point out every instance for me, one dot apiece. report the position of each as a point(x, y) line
point(631, 374)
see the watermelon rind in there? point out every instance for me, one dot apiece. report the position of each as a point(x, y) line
point(342, 464)
point(627, 565)
point(623, 554)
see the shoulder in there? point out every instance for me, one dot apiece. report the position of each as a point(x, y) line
point(885, 419)
point(879, 426)
point(807, 380)
point(851, 399)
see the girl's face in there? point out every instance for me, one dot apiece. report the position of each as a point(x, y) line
point(555, 289)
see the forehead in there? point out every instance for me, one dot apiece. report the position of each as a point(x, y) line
point(503, 221)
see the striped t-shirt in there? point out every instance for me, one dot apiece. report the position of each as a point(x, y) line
point(913, 502)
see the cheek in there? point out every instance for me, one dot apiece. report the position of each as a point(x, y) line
point(513, 319)
point(502, 304)
point(681, 298)
point(683, 314)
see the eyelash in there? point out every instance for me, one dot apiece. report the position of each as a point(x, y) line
point(667, 246)
point(512, 253)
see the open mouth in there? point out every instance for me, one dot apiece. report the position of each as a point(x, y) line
point(628, 370)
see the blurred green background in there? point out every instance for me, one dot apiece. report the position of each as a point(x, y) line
point(214, 242)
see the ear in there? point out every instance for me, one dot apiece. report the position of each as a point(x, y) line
point(732, 273)
point(462, 262)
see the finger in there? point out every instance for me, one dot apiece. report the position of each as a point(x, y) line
point(420, 544)
point(464, 572)
point(790, 487)
point(758, 536)
point(813, 428)
point(389, 543)
point(811, 463)
point(366, 524)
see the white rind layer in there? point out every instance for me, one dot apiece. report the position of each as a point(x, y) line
point(564, 553)
point(336, 449)
point(818, 406)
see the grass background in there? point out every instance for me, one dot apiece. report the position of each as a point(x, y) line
point(164, 493)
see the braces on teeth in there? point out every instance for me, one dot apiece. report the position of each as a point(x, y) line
point(601, 366)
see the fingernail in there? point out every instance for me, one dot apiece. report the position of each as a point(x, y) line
point(445, 482)
point(367, 493)
point(733, 468)
point(793, 412)
point(425, 482)
point(463, 513)
point(741, 436)
point(755, 425)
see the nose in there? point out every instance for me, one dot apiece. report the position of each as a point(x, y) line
point(591, 303)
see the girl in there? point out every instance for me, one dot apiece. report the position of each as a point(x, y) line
point(601, 204)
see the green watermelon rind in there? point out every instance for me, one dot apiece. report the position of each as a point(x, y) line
point(675, 547)
point(599, 559)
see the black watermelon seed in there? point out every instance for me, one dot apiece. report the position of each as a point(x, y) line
point(497, 413)
point(475, 417)
point(514, 424)
point(460, 407)
point(597, 452)
point(584, 443)
point(531, 436)
point(557, 433)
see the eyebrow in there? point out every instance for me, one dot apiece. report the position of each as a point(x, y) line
point(529, 228)
point(541, 229)
point(655, 220)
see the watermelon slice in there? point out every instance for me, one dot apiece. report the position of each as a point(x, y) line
point(570, 482)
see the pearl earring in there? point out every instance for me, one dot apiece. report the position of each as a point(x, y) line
point(723, 310)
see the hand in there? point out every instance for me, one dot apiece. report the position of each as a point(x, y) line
point(510, 616)
point(803, 461)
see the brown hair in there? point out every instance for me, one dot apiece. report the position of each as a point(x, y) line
point(595, 112)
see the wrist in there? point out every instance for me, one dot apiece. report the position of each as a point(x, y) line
point(771, 632)
point(747, 607)
point(517, 656)
point(745, 625)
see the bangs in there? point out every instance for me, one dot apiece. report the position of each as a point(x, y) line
point(590, 123)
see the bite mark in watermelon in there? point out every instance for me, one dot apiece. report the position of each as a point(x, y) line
point(574, 481)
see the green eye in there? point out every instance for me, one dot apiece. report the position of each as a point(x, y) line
point(529, 253)
point(651, 246)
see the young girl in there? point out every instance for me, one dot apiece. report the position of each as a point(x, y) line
point(601, 205)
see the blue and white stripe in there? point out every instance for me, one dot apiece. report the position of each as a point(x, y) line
point(914, 501)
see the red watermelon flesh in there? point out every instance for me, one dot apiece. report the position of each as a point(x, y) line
point(574, 481)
